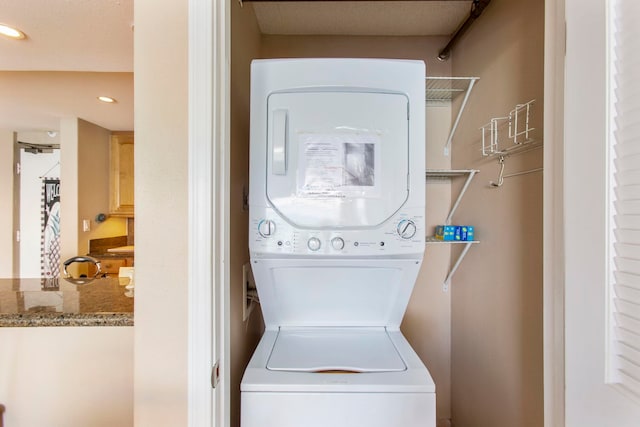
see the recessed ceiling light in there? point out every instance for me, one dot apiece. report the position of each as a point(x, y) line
point(11, 32)
point(107, 99)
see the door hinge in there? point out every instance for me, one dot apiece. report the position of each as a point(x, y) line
point(17, 168)
point(215, 374)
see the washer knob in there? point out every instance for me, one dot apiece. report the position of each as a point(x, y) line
point(314, 244)
point(266, 228)
point(406, 229)
point(337, 243)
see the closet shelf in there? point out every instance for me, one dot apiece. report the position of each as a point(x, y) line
point(433, 239)
point(449, 174)
point(441, 90)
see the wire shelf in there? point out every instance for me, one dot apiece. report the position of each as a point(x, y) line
point(446, 89)
point(443, 90)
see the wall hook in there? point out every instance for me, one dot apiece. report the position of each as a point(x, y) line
point(501, 176)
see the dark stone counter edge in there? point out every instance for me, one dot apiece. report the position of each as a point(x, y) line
point(66, 319)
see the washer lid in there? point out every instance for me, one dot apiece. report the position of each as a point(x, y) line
point(335, 350)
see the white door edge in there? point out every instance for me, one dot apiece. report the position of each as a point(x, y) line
point(208, 201)
point(553, 303)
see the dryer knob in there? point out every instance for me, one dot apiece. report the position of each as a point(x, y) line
point(337, 243)
point(406, 229)
point(313, 244)
point(266, 228)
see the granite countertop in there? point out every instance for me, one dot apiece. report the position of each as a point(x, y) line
point(60, 302)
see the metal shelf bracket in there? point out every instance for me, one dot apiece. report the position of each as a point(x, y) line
point(447, 174)
point(456, 264)
point(447, 281)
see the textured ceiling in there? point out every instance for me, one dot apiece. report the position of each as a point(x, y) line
point(385, 18)
point(37, 100)
point(68, 35)
point(74, 50)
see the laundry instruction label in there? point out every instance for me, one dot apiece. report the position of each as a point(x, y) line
point(338, 164)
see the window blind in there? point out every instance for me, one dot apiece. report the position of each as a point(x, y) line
point(625, 194)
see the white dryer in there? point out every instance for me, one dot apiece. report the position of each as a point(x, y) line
point(337, 203)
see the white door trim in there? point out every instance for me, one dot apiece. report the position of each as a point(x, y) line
point(553, 214)
point(208, 273)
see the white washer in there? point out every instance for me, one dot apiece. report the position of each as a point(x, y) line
point(336, 241)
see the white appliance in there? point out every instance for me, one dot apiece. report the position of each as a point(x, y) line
point(336, 238)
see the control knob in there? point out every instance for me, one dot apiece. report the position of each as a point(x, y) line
point(313, 244)
point(266, 228)
point(406, 229)
point(337, 243)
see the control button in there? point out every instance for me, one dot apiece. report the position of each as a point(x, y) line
point(337, 243)
point(406, 229)
point(266, 228)
point(313, 243)
point(279, 242)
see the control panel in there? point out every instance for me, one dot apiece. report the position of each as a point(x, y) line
point(402, 234)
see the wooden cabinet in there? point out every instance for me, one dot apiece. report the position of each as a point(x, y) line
point(121, 178)
point(111, 265)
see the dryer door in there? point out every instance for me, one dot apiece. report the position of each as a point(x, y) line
point(337, 159)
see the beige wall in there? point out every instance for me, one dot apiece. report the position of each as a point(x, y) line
point(6, 201)
point(497, 292)
point(161, 194)
point(69, 219)
point(84, 189)
point(93, 185)
point(245, 45)
point(67, 376)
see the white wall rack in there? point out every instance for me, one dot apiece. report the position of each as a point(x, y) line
point(449, 174)
point(509, 134)
point(441, 90)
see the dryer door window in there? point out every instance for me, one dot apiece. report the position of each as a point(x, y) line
point(337, 159)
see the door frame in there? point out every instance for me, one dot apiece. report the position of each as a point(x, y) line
point(209, 54)
point(209, 171)
point(553, 211)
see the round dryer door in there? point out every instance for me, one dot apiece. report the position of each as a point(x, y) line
point(337, 158)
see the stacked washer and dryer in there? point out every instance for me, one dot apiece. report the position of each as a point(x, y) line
point(337, 207)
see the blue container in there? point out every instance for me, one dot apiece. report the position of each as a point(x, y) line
point(446, 233)
point(467, 233)
point(455, 233)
